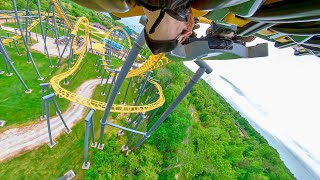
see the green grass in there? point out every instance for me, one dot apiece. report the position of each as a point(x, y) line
point(37, 28)
point(50, 33)
point(12, 96)
point(68, 152)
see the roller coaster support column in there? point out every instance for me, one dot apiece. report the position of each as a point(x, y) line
point(152, 116)
point(97, 60)
point(49, 98)
point(111, 85)
point(125, 95)
point(7, 59)
point(26, 21)
point(102, 66)
point(42, 33)
point(70, 58)
point(8, 34)
point(89, 126)
point(120, 132)
point(143, 85)
point(24, 40)
point(16, 46)
point(137, 46)
point(47, 23)
point(90, 41)
point(104, 72)
point(64, 49)
point(43, 87)
point(51, 142)
point(105, 85)
point(203, 67)
point(125, 147)
point(102, 77)
point(55, 29)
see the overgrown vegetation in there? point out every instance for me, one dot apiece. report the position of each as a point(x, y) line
point(214, 148)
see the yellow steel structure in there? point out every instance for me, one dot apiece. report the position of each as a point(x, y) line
point(99, 105)
point(30, 27)
point(154, 61)
point(56, 4)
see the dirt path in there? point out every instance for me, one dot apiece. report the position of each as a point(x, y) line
point(17, 140)
point(39, 46)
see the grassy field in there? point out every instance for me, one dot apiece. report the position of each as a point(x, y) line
point(13, 98)
point(68, 153)
point(12, 95)
point(51, 33)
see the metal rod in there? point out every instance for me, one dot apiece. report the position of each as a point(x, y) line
point(55, 29)
point(125, 95)
point(141, 89)
point(113, 80)
point(141, 118)
point(64, 49)
point(7, 58)
point(15, 44)
point(153, 115)
point(174, 104)
point(48, 121)
point(123, 128)
point(137, 46)
point(105, 85)
point(102, 77)
point(60, 115)
point(24, 40)
point(42, 33)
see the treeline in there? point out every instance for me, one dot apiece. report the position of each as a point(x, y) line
point(211, 147)
point(219, 150)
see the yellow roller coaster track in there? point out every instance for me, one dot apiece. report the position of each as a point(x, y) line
point(30, 27)
point(154, 61)
point(98, 105)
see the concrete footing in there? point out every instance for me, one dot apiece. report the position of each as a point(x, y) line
point(94, 145)
point(68, 132)
point(120, 133)
point(69, 175)
point(124, 149)
point(28, 91)
point(51, 145)
point(85, 165)
point(2, 123)
point(100, 146)
point(43, 118)
point(128, 152)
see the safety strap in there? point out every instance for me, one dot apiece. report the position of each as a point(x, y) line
point(158, 20)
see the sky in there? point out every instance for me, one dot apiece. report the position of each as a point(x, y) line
point(279, 95)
